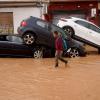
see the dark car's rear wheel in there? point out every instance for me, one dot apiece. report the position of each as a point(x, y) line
point(29, 38)
point(69, 31)
point(73, 52)
point(38, 53)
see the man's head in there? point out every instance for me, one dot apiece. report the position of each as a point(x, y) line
point(55, 34)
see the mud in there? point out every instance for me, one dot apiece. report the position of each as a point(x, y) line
point(30, 79)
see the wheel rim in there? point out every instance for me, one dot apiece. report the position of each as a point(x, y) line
point(69, 31)
point(74, 53)
point(29, 39)
point(38, 54)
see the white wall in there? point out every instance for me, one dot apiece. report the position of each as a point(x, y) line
point(21, 13)
point(26, 0)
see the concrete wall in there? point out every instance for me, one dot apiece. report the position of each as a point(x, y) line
point(21, 13)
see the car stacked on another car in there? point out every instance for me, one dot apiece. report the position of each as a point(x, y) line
point(35, 31)
point(81, 30)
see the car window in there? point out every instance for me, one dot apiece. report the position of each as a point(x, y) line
point(14, 39)
point(60, 31)
point(42, 24)
point(94, 28)
point(55, 21)
point(3, 38)
point(82, 23)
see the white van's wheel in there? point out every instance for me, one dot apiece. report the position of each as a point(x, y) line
point(69, 31)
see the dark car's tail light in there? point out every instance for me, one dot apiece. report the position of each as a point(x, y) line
point(23, 23)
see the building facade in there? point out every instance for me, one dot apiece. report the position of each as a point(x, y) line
point(87, 9)
point(12, 12)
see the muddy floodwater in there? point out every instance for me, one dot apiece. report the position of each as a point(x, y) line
point(31, 79)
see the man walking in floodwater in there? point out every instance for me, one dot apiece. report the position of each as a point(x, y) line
point(59, 48)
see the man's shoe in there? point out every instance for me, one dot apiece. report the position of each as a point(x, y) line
point(66, 63)
point(56, 65)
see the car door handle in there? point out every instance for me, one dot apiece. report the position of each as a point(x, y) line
point(90, 32)
point(75, 25)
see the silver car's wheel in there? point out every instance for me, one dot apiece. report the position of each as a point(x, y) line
point(69, 31)
point(73, 53)
point(29, 38)
point(38, 54)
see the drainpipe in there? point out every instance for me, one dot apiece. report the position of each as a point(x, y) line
point(41, 6)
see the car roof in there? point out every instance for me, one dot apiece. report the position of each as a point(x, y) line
point(82, 20)
point(76, 18)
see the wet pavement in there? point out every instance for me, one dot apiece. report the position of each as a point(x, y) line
point(31, 79)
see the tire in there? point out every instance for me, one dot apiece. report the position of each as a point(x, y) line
point(73, 52)
point(29, 38)
point(38, 53)
point(69, 31)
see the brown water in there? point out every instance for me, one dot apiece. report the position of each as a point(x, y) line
point(30, 79)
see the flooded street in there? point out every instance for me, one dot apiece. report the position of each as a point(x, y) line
point(30, 79)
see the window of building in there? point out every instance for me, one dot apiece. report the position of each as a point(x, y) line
point(6, 23)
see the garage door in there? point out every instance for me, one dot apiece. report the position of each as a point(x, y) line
point(66, 14)
point(6, 23)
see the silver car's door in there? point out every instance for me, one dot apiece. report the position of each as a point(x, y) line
point(95, 34)
point(82, 30)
